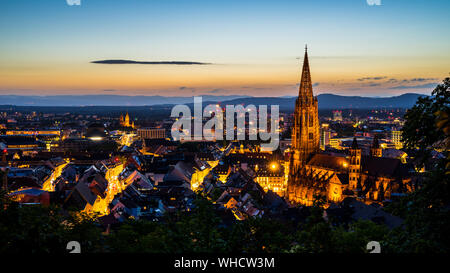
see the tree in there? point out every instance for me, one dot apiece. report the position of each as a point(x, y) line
point(317, 235)
point(426, 211)
point(44, 229)
point(258, 235)
point(426, 127)
point(181, 232)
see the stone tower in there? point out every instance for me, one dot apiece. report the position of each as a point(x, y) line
point(305, 134)
point(127, 120)
point(354, 168)
point(376, 150)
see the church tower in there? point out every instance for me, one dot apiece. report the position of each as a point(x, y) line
point(127, 120)
point(121, 120)
point(376, 150)
point(354, 168)
point(305, 134)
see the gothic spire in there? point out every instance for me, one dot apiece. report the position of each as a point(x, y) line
point(305, 91)
point(354, 143)
point(375, 143)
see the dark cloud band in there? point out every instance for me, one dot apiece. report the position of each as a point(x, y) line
point(428, 85)
point(154, 63)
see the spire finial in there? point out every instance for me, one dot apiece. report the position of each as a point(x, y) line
point(306, 47)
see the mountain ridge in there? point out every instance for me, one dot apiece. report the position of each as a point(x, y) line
point(326, 100)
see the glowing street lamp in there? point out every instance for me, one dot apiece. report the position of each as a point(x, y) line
point(274, 166)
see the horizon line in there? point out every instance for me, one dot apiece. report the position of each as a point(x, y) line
point(205, 95)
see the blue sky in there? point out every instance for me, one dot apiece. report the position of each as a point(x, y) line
point(47, 46)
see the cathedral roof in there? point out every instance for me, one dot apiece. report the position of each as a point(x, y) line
point(383, 166)
point(343, 177)
point(328, 161)
point(375, 166)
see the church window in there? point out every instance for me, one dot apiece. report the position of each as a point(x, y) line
point(311, 121)
point(311, 135)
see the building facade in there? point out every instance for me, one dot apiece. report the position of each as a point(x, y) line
point(151, 133)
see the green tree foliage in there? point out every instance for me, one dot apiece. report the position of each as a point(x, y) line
point(426, 126)
point(258, 235)
point(40, 229)
point(194, 231)
point(317, 235)
point(426, 211)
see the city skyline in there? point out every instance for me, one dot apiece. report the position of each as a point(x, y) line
point(232, 48)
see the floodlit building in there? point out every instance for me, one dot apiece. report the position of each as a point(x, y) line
point(396, 138)
point(151, 133)
point(335, 176)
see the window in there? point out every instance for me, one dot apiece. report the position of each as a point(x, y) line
point(311, 120)
point(311, 135)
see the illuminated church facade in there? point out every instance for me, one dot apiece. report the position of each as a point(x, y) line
point(335, 176)
point(125, 121)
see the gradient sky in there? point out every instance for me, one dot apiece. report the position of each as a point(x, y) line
point(46, 47)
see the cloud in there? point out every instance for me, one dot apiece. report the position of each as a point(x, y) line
point(372, 78)
point(146, 62)
point(419, 80)
point(215, 91)
point(187, 89)
point(420, 86)
point(392, 80)
point(109, 90)
point(316, 84)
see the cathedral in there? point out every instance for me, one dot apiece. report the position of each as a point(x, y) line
point(335, 176)
point(125, 121)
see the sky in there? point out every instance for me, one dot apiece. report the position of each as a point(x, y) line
point(244, 47)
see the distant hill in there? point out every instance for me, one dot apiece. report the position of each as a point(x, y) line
point(326, 101)
point(102, 100)
point(330, 101)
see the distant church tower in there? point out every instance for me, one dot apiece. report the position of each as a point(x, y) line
point(305, 134)
point(376, 150)
point(354, 174)
point(127, 120)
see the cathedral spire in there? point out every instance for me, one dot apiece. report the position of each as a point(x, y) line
point(375, 143)
point(354, 143)
point(305, 92)
point(376, 150)
point(305, 133)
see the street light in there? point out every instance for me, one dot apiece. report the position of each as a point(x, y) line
point(274, 166)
